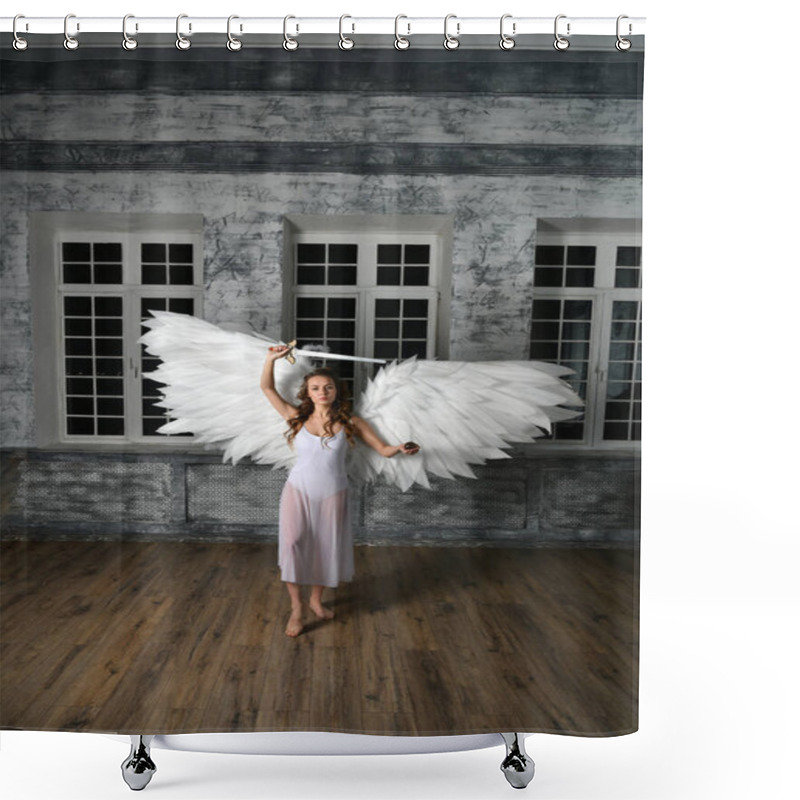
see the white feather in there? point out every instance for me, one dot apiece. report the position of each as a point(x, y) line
point(461, 413)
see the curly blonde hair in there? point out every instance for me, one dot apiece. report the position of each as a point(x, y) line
point(341, 408)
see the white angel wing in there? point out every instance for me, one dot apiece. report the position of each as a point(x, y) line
point(212, 387)
point(459, 412)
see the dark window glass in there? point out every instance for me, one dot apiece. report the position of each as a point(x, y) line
point(182, 305)
point(109, 366)
point(150, 426)
point(108, 306)
point(151, 388)
point(622, 351)
point(544, 351)
point(181, 274)
point(311, 276)
point(415, 308)
point(76, 251)
point(387, 308)
point(618, 391)
point(549, 255)
point(110, 426)
point(624, 309)
point(77, 273)
point(310, 329)
point(343, 253)
point(108, 252)
point(341, 308)
point(77, 327)
point(415, 276)
point(153, 304)
point(418, 349)
point(617, 411)
point(625, 331)
point(83, 406)
point(544, 330)
point(154, 253)
point(80, 426)
point(78, 347)
point(150, 409)
point(571, 431)
point(154, 274)
point(546, 309)
point(150, 364)
point(575, 351)
point(580, 277)
point(387, 329)
point(310, 307)
point(342, 329)
point(310, 253)
point(617, 431)
point(181, 253)
point(78, 306)
point(110, 387)
point(581, 256)
point(108, 327)
point(577, 309)
point(629, 256)
point(79, 366)
point(389, 276)
point(579, 368)
point(80, 386)
point(342, 276)
point(418, 254)
point(344, 347)
point(386, 350)
point(390, 254)
point(108, 273)
point(626, 278)
point(110, 406)
point(108, 347)
point(576, 330)
point(549, 276)
point(415, 329)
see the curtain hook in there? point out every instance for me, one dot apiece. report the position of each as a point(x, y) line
point(344, 42)
point(128, 42)
point(623, 44)
point(288, 42)
point(19, 43)
point(233, 44)
point(182, 43)
point(506, 42)
point(560, 42)
point(70, 42)
point(399, 42)
point(451, 42)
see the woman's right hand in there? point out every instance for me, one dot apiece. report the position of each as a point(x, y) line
point(278, 351)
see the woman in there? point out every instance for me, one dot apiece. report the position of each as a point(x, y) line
point(315, 542)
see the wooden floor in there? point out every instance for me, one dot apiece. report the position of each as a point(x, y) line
point(185, 637)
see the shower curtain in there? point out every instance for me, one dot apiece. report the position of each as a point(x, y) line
point(463, 205)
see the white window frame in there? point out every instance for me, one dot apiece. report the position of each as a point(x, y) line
point(367, 231)
point(606, 236)
point(48, 232)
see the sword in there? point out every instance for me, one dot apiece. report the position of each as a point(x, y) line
point(292, 352)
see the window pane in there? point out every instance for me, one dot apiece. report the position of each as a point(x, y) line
point(626, 279)
point(78, 306)
point(149, 304)
point(109, 366)
point(182, 305)
point(623, 331)
point(80, 426)
point(110, 387)
point(546, 309)
point(110, 406)
point(576, 330)
point(549, 276)
point(108, 347)
point(181, 274)
point(418, 254)
point(415, 329)
point(154, 274)
point(78, 327)
point(387, 308)
point(310, 329)
point(76, 251)
point(629, 256)
point(108, 273)
point(151, 425)
point(80, 405)
point(78, 347)
point(577, 309)
point(617, 431)
point(343, 254)
point(418, 349)
point(581, 256)
point(544, 330)
point(181, 253)
point(344, 347)
point(625, 309)
point(108, 251)
point(310, 253)
point(77, 273)
point(386, 350)
point(389, 276)
point(110, 426)
point(108, 306)
point(310, 307)
point(154, 253)
point(622, 351)
point(544, 351)
point(580, 277)
point(311, 276)
point(618, 411)
point(387, 329)
point(79, 366)
point(415, 276)
point(342, 329)
point(575, 351)
point(390, 254)
point(342, 307)
point(549, 255)
point(80, 386)
point(415, 308)
point(342, 276)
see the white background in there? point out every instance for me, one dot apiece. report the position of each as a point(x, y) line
point(719, 696)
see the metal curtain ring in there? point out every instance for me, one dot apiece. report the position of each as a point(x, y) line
point(344, 42)
point(560, 42)
point(623, 44)
point(233, 44)
point(70, 42)
point(128, 42)
point(506, 42)
point(288, 42)
point(19, 43)
point(451, 42)
point(182, 43)
point(399, 42)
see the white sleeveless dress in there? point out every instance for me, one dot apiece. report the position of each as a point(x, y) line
point(315, 540)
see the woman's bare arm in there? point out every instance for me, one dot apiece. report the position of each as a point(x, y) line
point(367, 434)
point(284, 408)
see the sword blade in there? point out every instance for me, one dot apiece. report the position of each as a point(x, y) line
point(337, 357)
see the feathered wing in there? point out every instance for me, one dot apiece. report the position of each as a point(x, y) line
point(459, 412)
point(212, 388)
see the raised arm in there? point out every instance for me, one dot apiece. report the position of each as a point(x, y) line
point(284, 408)
point(365, 432)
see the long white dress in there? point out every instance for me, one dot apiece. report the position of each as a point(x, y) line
point(315, 541)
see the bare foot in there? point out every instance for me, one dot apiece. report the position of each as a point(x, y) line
point(321, 611)
point(295, 624)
